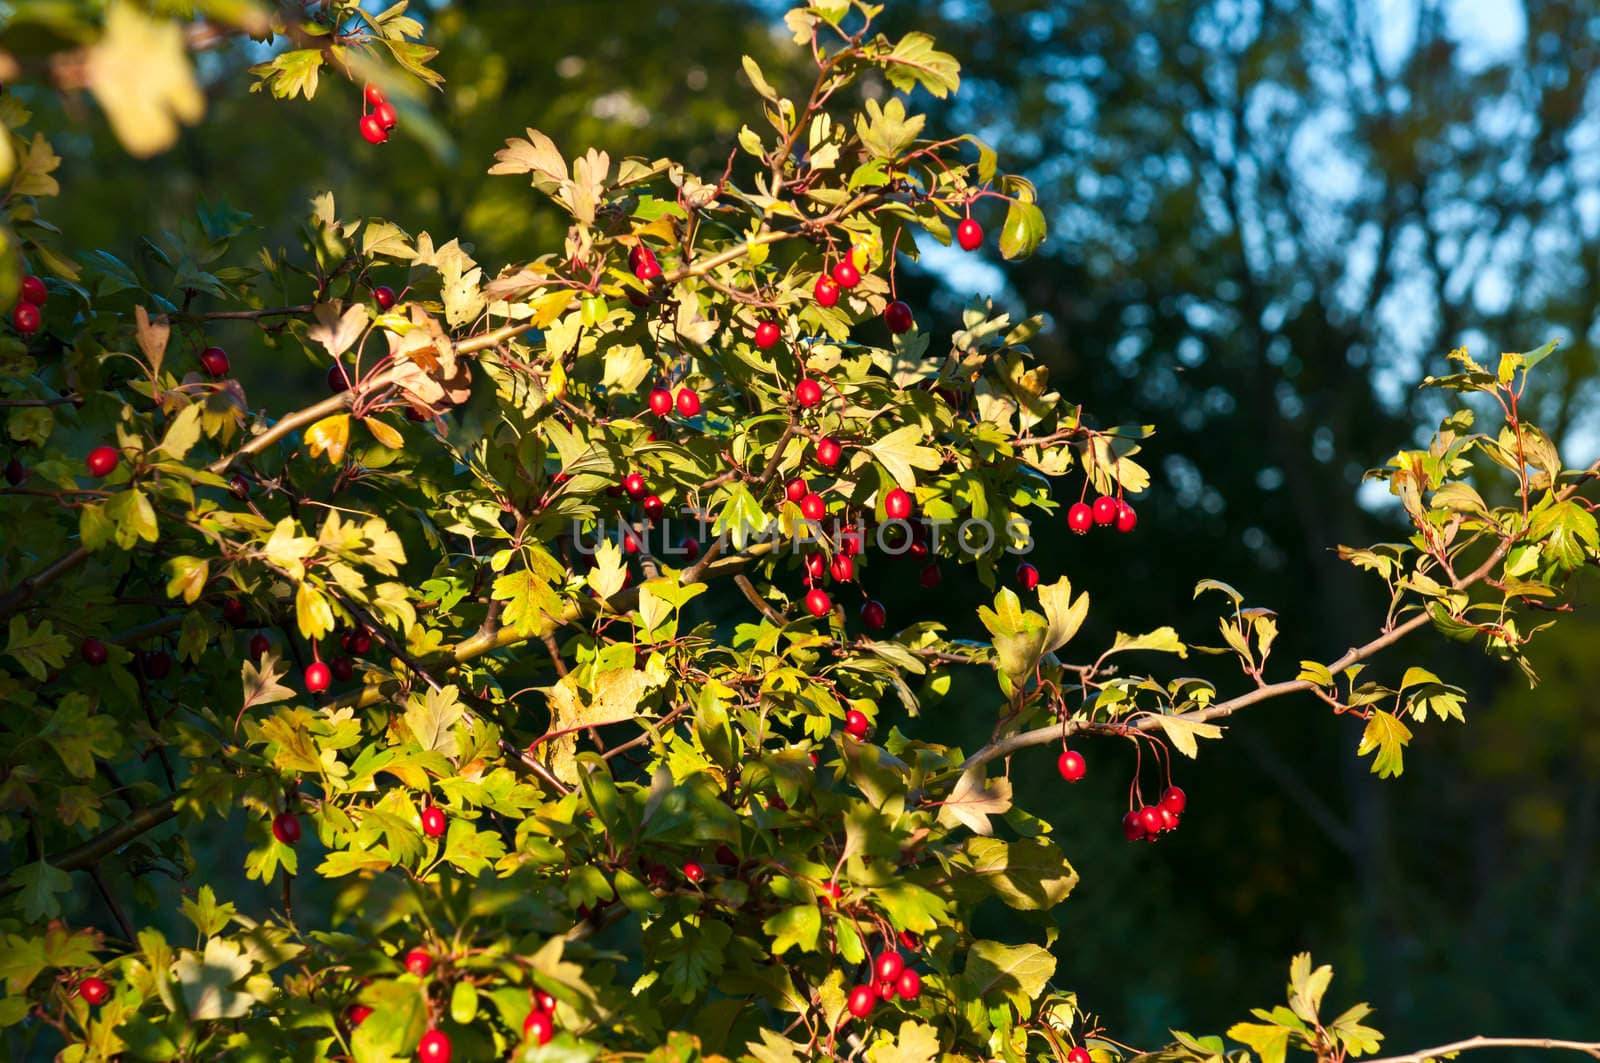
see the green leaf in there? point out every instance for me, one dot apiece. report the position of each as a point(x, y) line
point(901, 452)
point(1016, 974)
point(915, 61)
point(1270, 1042)
point(1182, 732)
point(38, 885)
point(432, 719)
point(207, 982)
point(183, 433)
point(974, 799)
point(397, 1022)
point(1568, 531)
point(1064, 616)
point(186, 578)
point(1028, 875)
point(915, 1043)
point(796, 927)
point(133, 516)
point(1387, 735)
point(38, 649)
point(291, 74)
point(1023, 230)
point(1161, 640)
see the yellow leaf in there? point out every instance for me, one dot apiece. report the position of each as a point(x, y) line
point(331, 434)
point(384, 433)
point(140, 72)
point(550, 306)
point(312, 612)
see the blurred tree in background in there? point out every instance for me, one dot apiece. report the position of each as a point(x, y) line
point(1273, 219)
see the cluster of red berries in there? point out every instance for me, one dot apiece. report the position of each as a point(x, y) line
point(1146, 822)
point(891, 978)
point(26, 316)
point(1105, 511)
point(376, 123)
point(540, 1025)
point(686, 402)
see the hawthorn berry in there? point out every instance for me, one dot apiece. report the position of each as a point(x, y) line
point(384, 296)
point(930, 576)
point(259, 645)
point(1027, 576)
point(286, 827)
point(94, 990)
point(1150, 819)
point(818, 603)
point(816, 566)
point(1169, 819)
point(888, 966)
point(808, 393)
point(1105, 510)
point(909, 984)
point(1079, 1055)
point(691, 548)
point(342, 668)
point(796, 489)
point(633, 484)
point(897, 504)
point(843, 569)
point(373, 132)
point(33, 290)
point(16, 472)
point(1132, 827)
point(1127, 519)
point(434, 1047)
point(856, 724)
point(433, 821)
point(653, 506)
point(845, 274)
point(214, 360)
point(659, 876)
point(767, 334)
point(93, 652)
point(813, 507)
point(874, 615)
point(1174, 799)
point(1080, 518)
point(643, 262)
point(969, 234)
point(360, 641)
point(826, 290)
point(156, 663)
point(418, 962)
point(850, 542)
point(1071, 765)
point(909, 941)
point(102, 460)
point(862, 999)
point(544, 1001)
point(897, 315)
point(885, 990)
point(829, 452)
point(693, 872)
point(660, 402)
point(234, 612)
point(384, 113)
point(374, 95)
point(25, 316)
point(538, 1027)
point(688, 402)
point(318, 676)
point(358, 1014)
point(831, 894)
point(338, 379)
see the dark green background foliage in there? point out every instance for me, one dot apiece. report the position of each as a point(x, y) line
point(1269, 220)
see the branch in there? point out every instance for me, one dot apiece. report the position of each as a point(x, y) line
point(1591, 1048)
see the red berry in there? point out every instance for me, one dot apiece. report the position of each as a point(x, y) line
point(1079, 1055)
point(360, 641)
point(1132, 827)
point(796, 489)
point(102, 460)
point(318, 676)
point(862, 999)
point(630, 543)
point(239, 486)
point(358, 1014)
point(94, 990)
point(338, 379)
point(1174, 799)
point(726, 856)
point(538, 1027)
point(910, 941)
point(660, 402)
point(909, 984)
point(643, 262)
point(856, 724)
point(653, 506)
point(34, 291)
point(843, 569)
point(259, 645)
point(433, 821)
point(818, 603)
point(434, 1047)
point(25, 316)
point(374, 95)
point(829, 452)
point(693, 871)
point(286, 827)
point(1127, 519)
point(1027, 576)
point(156, 664)
point(969, 234)
point(826, 291)
point(897, 316)
point(688, 402)
point(16, 472)
point(372, 130)
point(384, 113)
point(930, 576)
point(884, 989)
point(418, 962)
point(1105, 510)
point(831, 893)
point(634, 485)
point(690, 548)
point(544, 1001)
point(874, 615)
point(850, 542)
point(1071, 765)
point(1080, 518)
point(812, 507)
point(659, 876)
point(1150, 819)
point(845, 274)
point(342, 668)
point(234, 612)
point(808, 393)
point(816, 565)
point(888, 966)
point(93, 652)
point(214, 360)
point(767, 334)
point(1169, 819)
point(384, 296)
point(897, 504)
